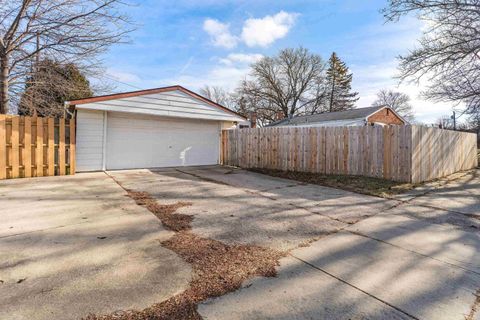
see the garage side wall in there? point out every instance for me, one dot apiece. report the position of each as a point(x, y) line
point(89, 140)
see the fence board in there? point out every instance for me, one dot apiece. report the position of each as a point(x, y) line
point(3, 146)
point(27, 147)
point(402, 153)
point(51, 146)
point(39, 148)
point(15, 148)
point(61, 147)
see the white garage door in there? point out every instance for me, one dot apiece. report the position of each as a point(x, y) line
point(135, 141)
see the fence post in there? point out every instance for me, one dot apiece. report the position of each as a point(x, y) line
point(3, 147)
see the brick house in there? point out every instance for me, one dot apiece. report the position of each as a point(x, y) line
point(355, 117)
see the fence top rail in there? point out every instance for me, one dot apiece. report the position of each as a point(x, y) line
point(348, 127)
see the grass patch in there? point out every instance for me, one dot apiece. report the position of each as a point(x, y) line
point(218, 268)
point(365, 185)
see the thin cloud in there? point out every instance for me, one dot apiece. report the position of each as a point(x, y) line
point(241, 58)
point(186, 66)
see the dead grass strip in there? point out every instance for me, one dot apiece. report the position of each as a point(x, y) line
point(218, 268)
point(359, 184)
point(475, 307)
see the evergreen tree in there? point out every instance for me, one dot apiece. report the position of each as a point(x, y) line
point(339, 86)
point(50, 85)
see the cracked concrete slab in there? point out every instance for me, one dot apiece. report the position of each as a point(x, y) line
point(337, 204)
point(298, 292)
point(461, 195)
point(240, 213)
point(420, 286)
point(345, 206)
point(451, 245)
point(438, 216)
point(240, 178)
point(348, 276)
point(76, 245)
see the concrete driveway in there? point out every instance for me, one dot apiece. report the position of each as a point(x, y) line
point(74, 245)
point(368, 258)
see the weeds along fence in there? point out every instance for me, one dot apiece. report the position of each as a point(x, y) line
point(36, 147)
point(400, 153)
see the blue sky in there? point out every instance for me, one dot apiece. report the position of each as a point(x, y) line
point(197, 43)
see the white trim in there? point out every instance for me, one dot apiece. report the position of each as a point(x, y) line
point(220, 128)
point(104, 146)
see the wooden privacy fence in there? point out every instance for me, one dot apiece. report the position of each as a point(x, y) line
point(401, 153)
point(36, 147)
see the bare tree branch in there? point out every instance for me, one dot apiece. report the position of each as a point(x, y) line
point(63, 30)
point(449, 51)
point(291, 83)
point(398, 101)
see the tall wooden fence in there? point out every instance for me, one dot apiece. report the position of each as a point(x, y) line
point(401, 153)
point(36, 147)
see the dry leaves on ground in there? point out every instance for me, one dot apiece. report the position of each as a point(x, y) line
point(218, 268)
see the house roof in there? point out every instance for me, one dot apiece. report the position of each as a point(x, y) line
point(151, 91)
point(354, 114)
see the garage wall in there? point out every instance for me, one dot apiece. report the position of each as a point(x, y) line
point(140, 141)
point(89, 153)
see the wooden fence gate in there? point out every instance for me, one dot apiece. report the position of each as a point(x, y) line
point(36, 147)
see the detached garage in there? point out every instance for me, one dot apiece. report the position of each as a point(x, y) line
point(162, 127)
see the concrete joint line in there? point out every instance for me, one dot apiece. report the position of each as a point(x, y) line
point(227, 184)
point(357, 288)
point(326, 216)
point(447, 210)
point(414, 252)
point(439, 185)
point(42, 230)
point(285, 187)
point(203, 178)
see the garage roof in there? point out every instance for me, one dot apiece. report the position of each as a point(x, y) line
point(173, 101)
point(346, 117)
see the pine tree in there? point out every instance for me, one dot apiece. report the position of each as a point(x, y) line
point(50, 86)
point(339, 86)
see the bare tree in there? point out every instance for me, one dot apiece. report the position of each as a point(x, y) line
point(449, 51)
point(218, 95)
point(398, 101)
point(61, 30)
point(445, 122)
point(291, 83)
